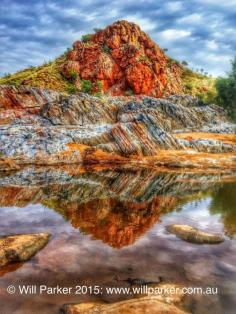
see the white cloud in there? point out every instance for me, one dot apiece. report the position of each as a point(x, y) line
point(218, 3)
point(212, 45)
point(190, 19)
point(174, 34)
point(174, 6)
point(145, 23)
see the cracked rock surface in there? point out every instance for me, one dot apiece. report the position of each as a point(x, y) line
point(60, 127)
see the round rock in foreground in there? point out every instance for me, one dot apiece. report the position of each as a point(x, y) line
point(148, 304)
point(20, 248)
point(193, 235)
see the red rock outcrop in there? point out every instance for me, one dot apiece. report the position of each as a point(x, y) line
point(28, 98)
point(21, 102)
point(124, 59)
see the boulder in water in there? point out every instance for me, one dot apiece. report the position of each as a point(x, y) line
point(19, 248)
point(193, 235)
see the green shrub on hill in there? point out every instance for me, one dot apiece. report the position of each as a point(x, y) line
point(97, 30)
point(71, 89)
point(73, 76)
point(208, 97)
point(86, 38)
point(106, 49)
point(86, 86)
point(199, 85)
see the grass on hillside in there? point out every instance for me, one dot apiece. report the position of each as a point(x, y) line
point(44, 76)
point(199, 85)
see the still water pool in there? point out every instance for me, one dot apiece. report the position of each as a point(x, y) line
point(108, 228)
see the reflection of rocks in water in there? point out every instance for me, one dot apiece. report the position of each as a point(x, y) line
point(10, 268)
point(223, 203)
point(114, 222)
point(113, 205)
point(19, 196)
point(137, 185)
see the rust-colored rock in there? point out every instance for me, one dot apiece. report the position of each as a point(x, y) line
point(23, 101)
point(7, 164)
point(141, 78)
point(124, 58)
point(28, 98)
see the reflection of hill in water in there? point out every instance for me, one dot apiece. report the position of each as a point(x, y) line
point(224, 203)
point(117, 223)
point(114, 206)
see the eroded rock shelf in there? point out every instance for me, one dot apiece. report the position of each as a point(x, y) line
point(45, 127)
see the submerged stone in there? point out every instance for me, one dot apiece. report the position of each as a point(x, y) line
point(19, 248)
point(193, 235)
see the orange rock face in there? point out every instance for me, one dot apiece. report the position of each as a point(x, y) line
point(20, 102)
point(123, 58)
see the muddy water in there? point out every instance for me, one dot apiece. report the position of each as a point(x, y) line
point(108, 228)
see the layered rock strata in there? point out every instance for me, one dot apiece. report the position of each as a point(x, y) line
point(78, 128)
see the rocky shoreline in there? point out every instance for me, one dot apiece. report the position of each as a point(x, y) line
point(45, 127)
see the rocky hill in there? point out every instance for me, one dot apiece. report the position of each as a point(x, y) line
point(157, 124)
point(118, 60)
point(123, 59)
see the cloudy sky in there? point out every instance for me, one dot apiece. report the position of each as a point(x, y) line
point(202, 32)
